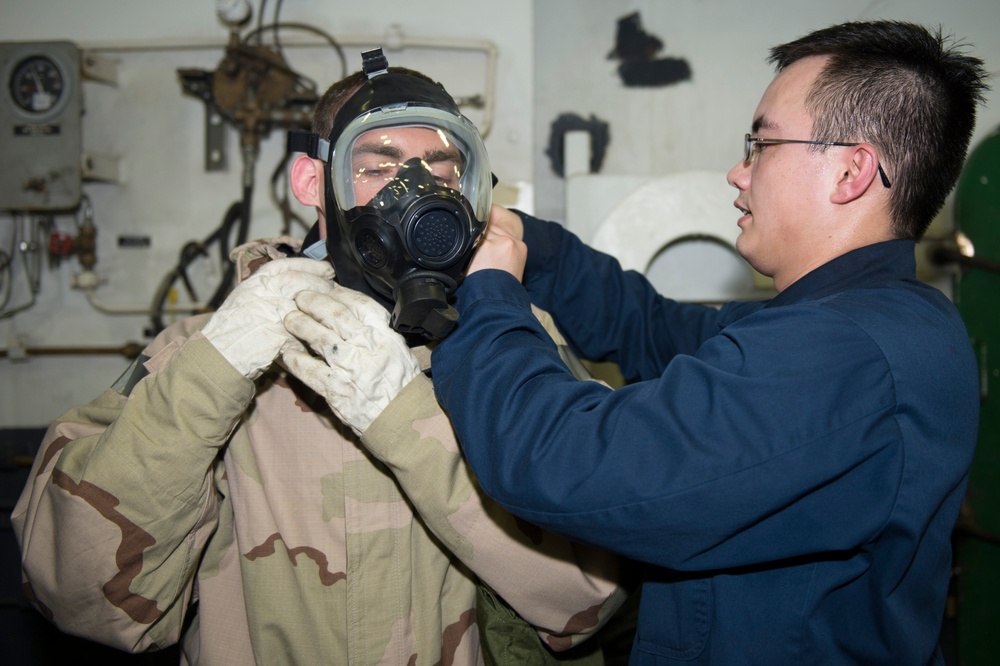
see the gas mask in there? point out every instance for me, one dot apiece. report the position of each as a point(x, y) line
point(408, 193)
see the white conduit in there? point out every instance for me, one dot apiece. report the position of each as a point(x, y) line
point(392, 40)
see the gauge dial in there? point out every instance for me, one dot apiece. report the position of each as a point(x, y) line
point(36, 84)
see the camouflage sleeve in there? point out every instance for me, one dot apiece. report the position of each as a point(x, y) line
point(122, 497)
point(566, 590)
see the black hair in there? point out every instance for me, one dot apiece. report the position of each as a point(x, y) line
point(909, 92)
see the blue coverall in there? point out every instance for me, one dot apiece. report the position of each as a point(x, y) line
point(789, 472)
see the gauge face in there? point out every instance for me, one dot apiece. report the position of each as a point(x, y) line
point(36, 84)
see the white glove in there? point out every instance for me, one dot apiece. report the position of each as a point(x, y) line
point(247, 328)
point(361, 364)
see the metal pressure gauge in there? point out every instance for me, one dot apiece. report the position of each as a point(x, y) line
point(40, 126)
point(37, 84)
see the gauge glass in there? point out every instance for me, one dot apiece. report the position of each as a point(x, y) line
point(36, 84)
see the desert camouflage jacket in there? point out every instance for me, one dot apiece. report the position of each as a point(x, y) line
point(185, 487)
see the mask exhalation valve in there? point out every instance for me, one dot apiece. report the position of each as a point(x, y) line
point(422, 307)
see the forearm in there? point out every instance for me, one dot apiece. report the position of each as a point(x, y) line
point(646, 470)
point(122, 500)
point(605, 312)
point(550, 581)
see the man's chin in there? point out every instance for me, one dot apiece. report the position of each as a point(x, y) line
point(744, 249)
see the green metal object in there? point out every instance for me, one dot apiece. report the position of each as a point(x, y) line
point(977, 295)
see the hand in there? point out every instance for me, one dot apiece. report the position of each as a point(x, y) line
point(361, 364)
point(507, 220)
point(501, 247)
point(247, 328)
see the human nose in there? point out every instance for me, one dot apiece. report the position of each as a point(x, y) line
point(739, 176)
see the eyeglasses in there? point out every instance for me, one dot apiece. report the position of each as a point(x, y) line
point(749, 142)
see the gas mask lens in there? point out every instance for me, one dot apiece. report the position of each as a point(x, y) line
point(375, 145)
point(377, 157)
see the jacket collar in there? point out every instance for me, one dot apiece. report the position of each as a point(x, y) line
point(869, 266)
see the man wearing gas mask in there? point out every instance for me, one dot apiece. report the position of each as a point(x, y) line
point(408, 195)
point(210, 497)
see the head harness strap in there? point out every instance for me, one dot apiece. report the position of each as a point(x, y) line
point(374, 63)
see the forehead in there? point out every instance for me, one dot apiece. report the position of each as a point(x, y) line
point(783, 105)
point(408, 141)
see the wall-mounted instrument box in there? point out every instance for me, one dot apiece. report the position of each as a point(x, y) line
point(40, 126)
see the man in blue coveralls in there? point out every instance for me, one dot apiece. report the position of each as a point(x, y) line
point(789, 472)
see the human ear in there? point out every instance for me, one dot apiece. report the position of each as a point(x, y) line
point(857, 172)
point(306, 181)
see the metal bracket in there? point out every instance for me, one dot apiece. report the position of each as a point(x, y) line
point(215, 140)
point(103, 168)
point(198, 83)
point(96, 67)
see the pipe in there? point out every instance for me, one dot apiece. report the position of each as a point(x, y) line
point(969, 529)
point(129, 350)
point(140, 309)
point(88, 282)
point(393, 38)
point(942, 256)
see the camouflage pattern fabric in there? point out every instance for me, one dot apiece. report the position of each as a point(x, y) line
point(189, 504)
